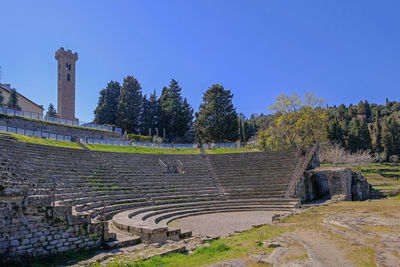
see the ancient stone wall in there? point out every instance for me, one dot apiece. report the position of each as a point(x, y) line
point(332, 182)
point(28, 229)
point(77, 132)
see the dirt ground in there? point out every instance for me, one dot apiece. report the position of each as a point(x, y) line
point(341, 234)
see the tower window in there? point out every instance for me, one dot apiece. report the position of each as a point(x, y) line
point(68, 77)
point(67, 66)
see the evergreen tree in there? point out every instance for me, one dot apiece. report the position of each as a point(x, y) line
point(364, 135)
point(335, 132)
point(391, 137)
point(154, 111)
point(176, 115)
point(106, 111)
point(13, 100)
point(377, 140)
point(1, 97)
point(361, 108)
point(353, 140)
point(367, 109)
point(130, 105)
point(246, 131)
point(145, 116)
point(165, 114)
point(51, 111)
point(186, 120)
point(358, 137)
point(342, 112)
point(216, 120)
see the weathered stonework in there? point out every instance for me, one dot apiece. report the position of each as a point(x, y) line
point(66, 83)
point(28, 230)
point(320, 182)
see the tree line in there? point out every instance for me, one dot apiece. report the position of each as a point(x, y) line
point(302, 121)
point(170, 115)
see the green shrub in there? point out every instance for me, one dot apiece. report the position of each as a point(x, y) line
point(139, 138)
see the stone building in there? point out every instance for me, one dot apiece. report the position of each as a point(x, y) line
point(25, 103)
point(66, 83)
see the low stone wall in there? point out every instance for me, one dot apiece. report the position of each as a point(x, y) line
point(75, 132)
point(332, 181)
point(28, 229)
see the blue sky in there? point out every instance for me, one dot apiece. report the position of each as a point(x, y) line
point(343, 50)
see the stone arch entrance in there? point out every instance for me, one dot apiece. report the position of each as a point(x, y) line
point(319, 187)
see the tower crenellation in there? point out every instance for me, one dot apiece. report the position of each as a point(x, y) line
point(66, 83)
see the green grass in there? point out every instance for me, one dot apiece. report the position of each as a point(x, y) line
point(46, 142)
point(382, 176)
point(217, 249)
point(238, 246)
point(148, 150)
point(227, 150)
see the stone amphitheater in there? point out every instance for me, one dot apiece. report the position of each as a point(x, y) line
point(55, 199)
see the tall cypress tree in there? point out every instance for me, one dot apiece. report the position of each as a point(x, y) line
point(130, 105)
point(186, 121)
point(145, 116)
point(364, 135)
point(216, 120)
point(367, 109)
point(377, 140)
point(154, 111)
point(106, 111)
point(176, 115)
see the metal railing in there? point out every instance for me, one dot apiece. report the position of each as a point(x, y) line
point(36, 133)
point(37, 116)
point(62, 121)
point(42, 133)
point(221, 145)
point(20, 113)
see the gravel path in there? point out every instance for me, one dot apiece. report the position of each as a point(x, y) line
point(225, 222)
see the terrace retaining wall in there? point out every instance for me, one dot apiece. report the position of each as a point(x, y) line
point(75, 132)
point(28, 230)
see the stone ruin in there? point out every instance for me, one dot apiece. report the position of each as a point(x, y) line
point(55, 199)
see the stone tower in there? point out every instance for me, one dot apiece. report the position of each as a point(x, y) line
point(66, 83)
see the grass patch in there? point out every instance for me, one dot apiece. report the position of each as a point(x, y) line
point(382, 176)
point(137, 149)
point(228, 150)
point(238, 246)
point(43, 141)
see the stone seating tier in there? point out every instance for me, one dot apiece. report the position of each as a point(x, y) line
point(107, 182)
point(151, 223)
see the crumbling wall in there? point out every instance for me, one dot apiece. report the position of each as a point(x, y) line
point(341, 181)
point(28, 228)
